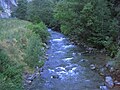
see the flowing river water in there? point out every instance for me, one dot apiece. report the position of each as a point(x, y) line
point(67, 68)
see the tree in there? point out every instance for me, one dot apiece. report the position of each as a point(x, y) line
point(90, 21)
point(40, 10)
point(21, 9)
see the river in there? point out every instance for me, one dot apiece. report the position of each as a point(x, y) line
point(67, 68)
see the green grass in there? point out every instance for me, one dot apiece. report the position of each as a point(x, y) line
point(21, 49)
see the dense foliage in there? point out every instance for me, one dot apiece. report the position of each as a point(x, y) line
point(89, 20)
point(94, 22)
point(40, 10)
point(37, 11)
point(21, 10)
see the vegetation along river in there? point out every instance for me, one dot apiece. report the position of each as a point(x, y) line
point(67, 68)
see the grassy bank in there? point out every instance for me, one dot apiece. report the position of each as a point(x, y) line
point(21, 49)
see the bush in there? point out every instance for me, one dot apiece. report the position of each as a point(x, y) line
point(90, 21)
point(10, 73)
point(40, 29)
point(34, 52)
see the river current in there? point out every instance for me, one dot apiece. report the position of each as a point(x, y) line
point(66, 67)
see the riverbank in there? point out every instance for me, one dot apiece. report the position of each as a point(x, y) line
point(103, 64)
point(21, 50)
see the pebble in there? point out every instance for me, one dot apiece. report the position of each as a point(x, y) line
point(92, 67)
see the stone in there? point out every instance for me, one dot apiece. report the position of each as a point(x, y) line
point(41, 69)
point(83, 60)
point(90, 49)
point(109, 82)
point(92, 67)
point(31, 77)
point(55, 76)
point(112, 69)
point(79, 54)
point(104, 88)
point(117, 83)
point(5, 5)
point(28, 81)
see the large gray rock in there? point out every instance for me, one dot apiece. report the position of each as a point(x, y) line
point(109, 82)
point(4, 15)
point(6, 6)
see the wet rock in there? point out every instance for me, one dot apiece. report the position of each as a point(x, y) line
point(104, 88)
point(92, 67)
point(79, 54)
point(90, 49)
point(83, 60)
point(111, 69)
point(31, 77)
point(28, 81)
point(46, 57)
point(109, 82)
point(41, 69)
point(117, 83)
point(55, 76)
point(44, 44)
point(73, 54)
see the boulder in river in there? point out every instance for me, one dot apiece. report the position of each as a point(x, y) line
point(109, 82)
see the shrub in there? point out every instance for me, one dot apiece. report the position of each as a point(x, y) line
point(40, 29)
point(10, 73)
point(90, 21)
point(34, 51)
